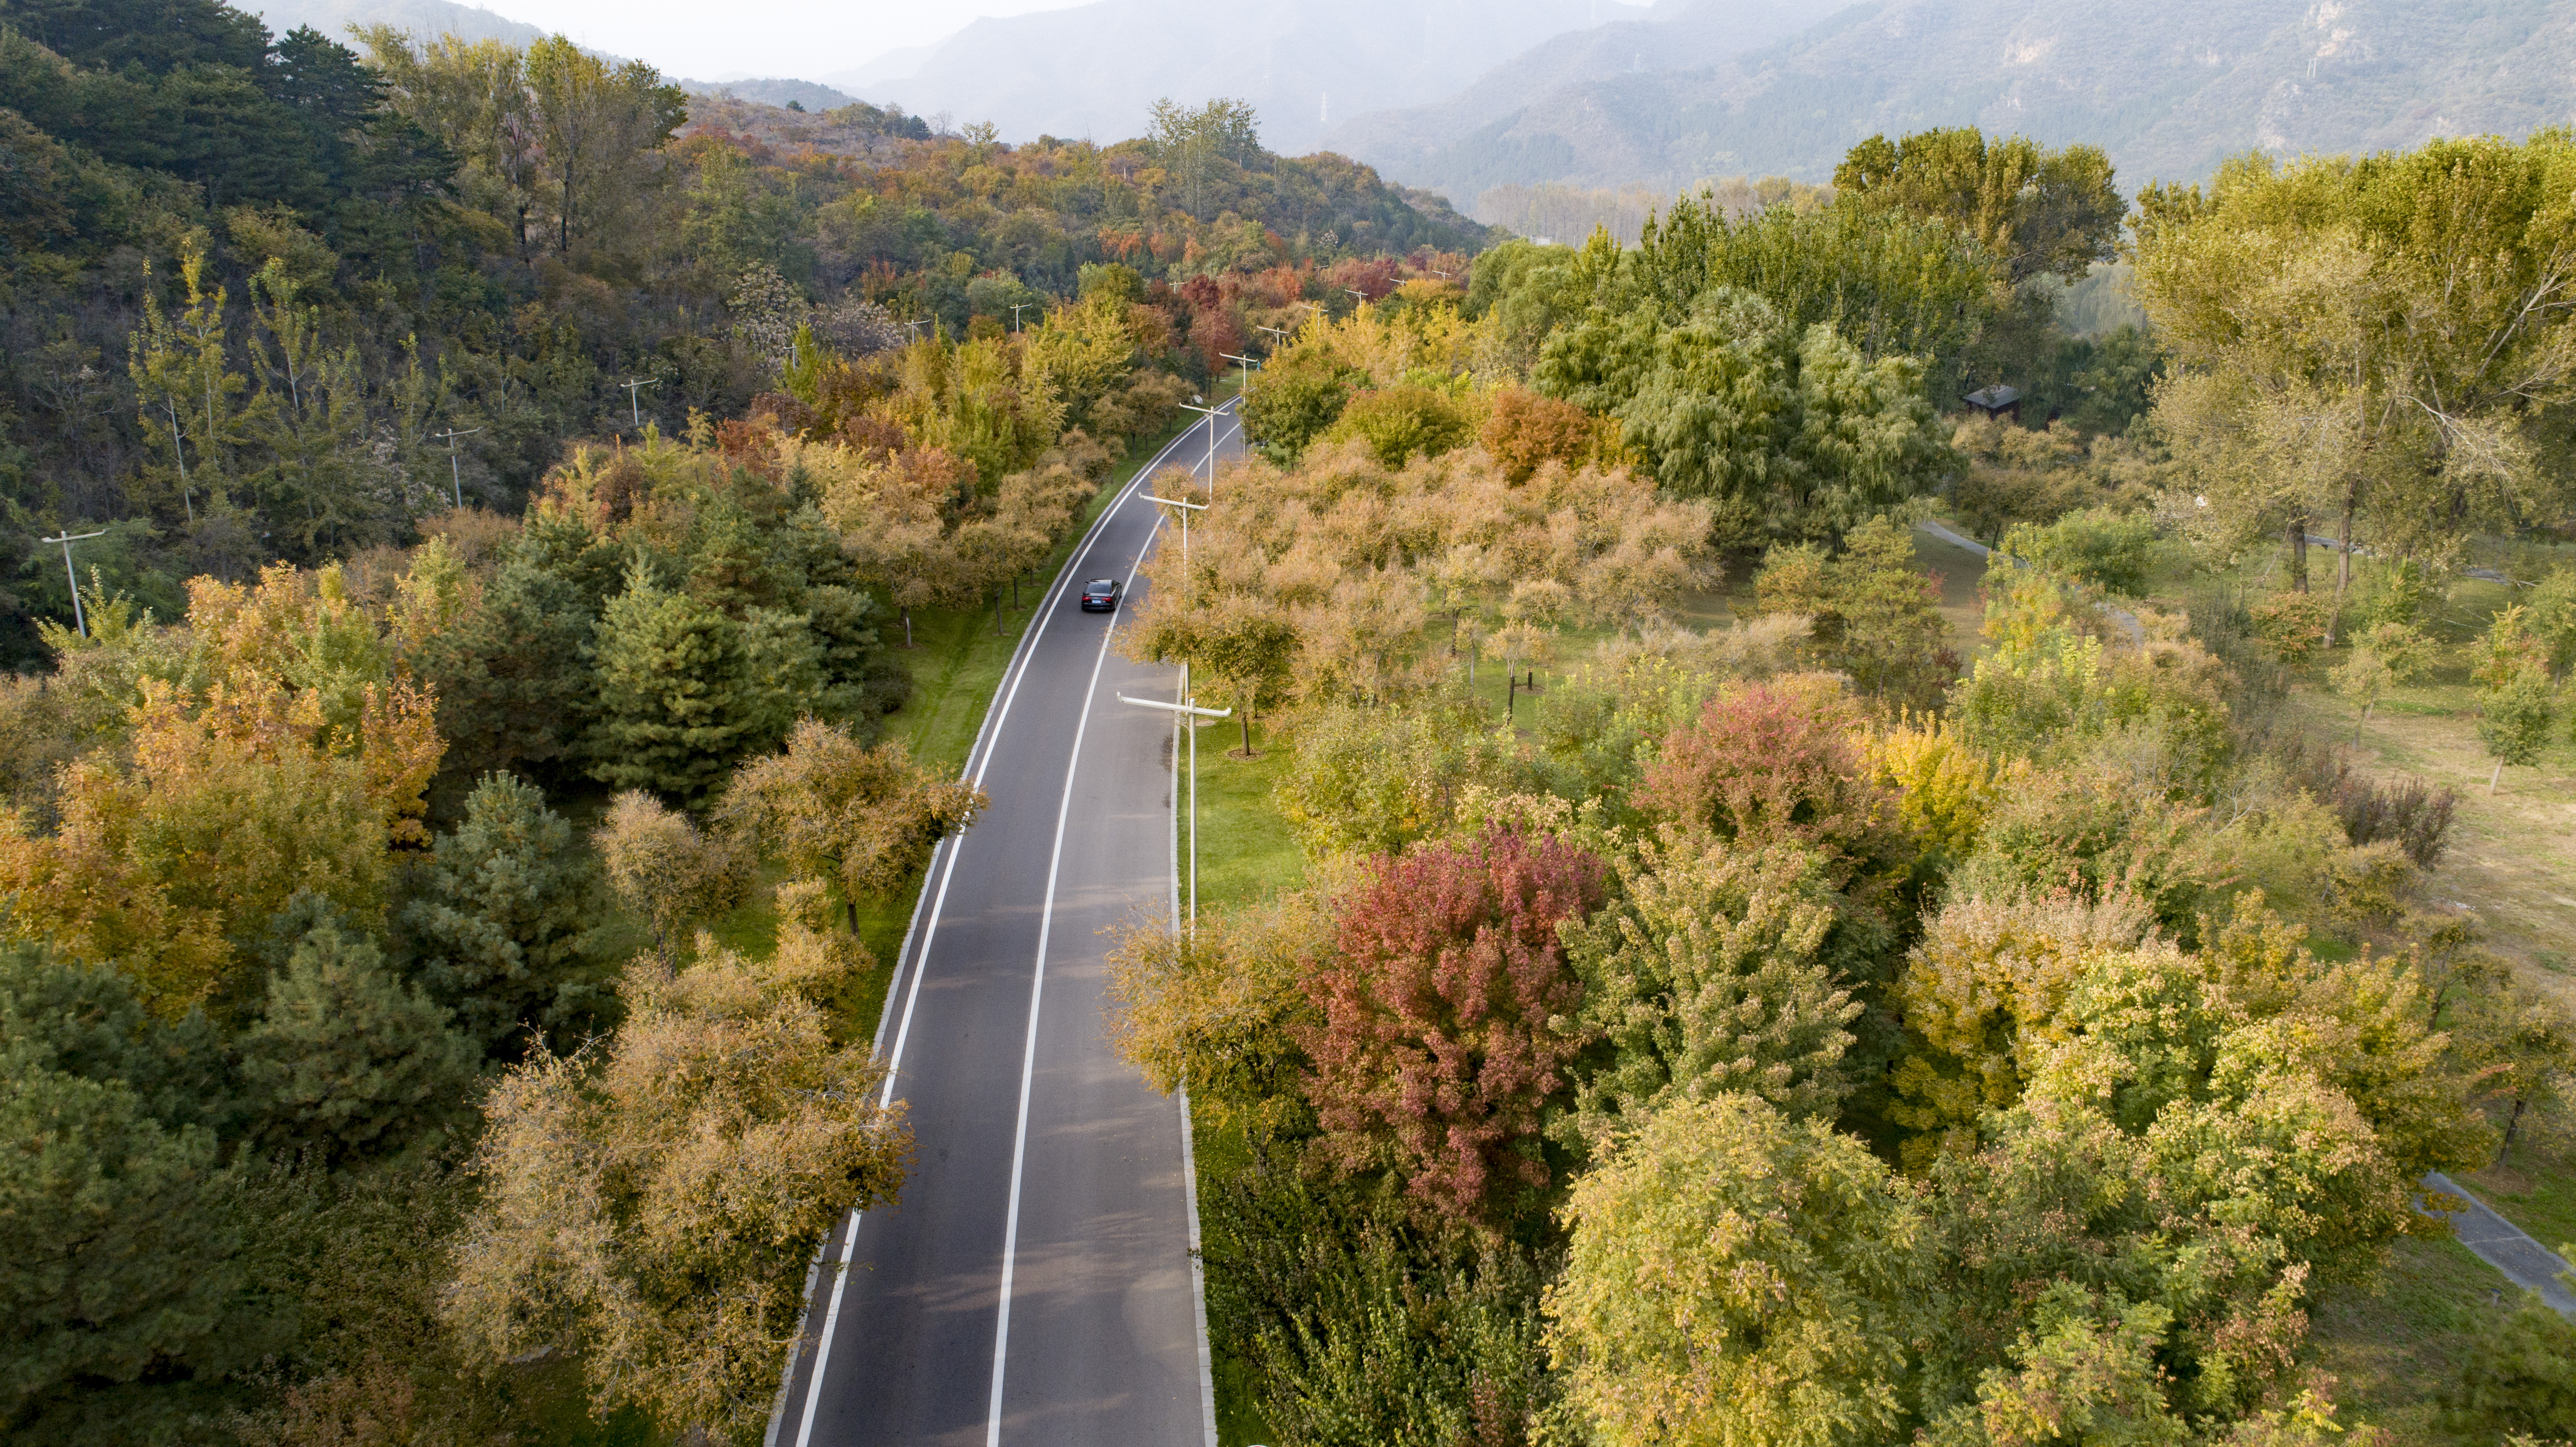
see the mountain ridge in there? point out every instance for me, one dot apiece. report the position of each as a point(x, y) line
point(2169, 90)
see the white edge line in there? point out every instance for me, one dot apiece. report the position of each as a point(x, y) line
point(1189, 1154)
point(1037, 994)
point(987, 735)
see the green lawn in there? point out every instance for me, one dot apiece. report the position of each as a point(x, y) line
point(2395, 1344)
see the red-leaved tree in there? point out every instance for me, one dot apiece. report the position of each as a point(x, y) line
point(1775, 764)
point(1434, 1058)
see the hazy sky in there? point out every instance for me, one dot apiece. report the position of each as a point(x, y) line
point(804, 38)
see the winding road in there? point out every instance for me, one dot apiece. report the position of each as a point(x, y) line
point(1038, 1281)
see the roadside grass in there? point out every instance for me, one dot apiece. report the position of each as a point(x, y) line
point(2393, 1345)
point(2534, 1186)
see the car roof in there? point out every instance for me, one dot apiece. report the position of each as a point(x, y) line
point(1102, 583)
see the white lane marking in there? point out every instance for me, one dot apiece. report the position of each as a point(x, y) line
point(1189, 1156)
point(1037, 991)
point(987, 740)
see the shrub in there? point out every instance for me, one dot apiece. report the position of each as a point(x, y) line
point(2294, 624)
point(1295, 401)
point(2105, 549)
point(1437, 1057)
point(2410, 812)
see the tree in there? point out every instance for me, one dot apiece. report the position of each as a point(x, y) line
point(1524, 431)
point(675, 702)
point(123, 1257)
point(2388, 655)
point(1737, 1278)
point(597, 132)
point(652, 1201)
point(346, 1059)
point(2517, 704)
point(662, 868)
point(2334, 355)
point(828, 807)
point(513, 686)
point(1218, 1009)
point(2035, 211)
point(1436, 1058)
point(1773, 763)
point(506, 920)
point(1876, 616)
point(1717, 973)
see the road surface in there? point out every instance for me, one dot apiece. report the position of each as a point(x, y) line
point(1035, 1284)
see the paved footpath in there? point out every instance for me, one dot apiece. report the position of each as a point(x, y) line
point(2508, 1248)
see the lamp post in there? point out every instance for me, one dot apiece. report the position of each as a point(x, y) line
point(1248, 364)
point(1211, 414)
point(455, 478)
point(634, 389)
point(1355, 291)
point(1018, 307)
point(1186, 509)
point(80, 620)
point(1282, 335)
point(1188, 708)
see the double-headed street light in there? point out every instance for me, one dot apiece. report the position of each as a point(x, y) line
point(1211, 414)
point(1248, 364)
point(1188, 710)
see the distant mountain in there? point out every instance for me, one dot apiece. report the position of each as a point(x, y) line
point(1680, 34)
point(428, 18)
point(772, 91)
point(1093, 69)
point(2169, 87)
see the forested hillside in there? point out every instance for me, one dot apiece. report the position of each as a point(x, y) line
point(253, 283)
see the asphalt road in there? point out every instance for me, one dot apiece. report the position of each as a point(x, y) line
point(1035, 1284)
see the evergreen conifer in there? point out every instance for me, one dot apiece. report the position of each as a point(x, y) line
point(504, 923)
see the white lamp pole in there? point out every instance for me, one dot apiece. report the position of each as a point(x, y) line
point(1189, 709)
point(1211, 414)
point(79, 619)
point(1248, 364)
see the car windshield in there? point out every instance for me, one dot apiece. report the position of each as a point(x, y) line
point(1103, 586)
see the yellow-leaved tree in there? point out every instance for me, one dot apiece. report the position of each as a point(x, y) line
point(285, 758)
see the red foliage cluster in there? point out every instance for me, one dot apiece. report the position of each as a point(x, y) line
point(1434, 1056)
point(1525, 431)
point(1774, 763)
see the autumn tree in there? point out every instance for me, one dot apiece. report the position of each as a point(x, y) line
point(1218, 1008)
point(1736, 1277)
point(1876, 615)
point(651, 1202)
point(1436, 1058)
point(1719, 971)
point(868, 818)
point(1774, 763)
point(1524, 431)
point(2517, 703)
point(663, 868)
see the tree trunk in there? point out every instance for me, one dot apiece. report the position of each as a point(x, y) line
point(2343, 563)
point(2512, 1124)
point(2299, 553)
point(854, 914)
point(2492, 778)
point(907, 627)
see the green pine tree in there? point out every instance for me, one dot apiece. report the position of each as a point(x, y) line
point(348, 1060)
point(504, 924)
point(120, 1259)
point(675, 706)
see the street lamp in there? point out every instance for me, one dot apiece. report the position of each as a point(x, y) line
point(1248, 364)
point(1211, 414)
point(1018, 307)
point(1188, 707)
point(634, 408)
point(1281, 334)
point(81, 620)
point(455, 479)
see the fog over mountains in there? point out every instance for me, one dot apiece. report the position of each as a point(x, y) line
point(1465, 95)
point(1092, 70)
point(2169, 88)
